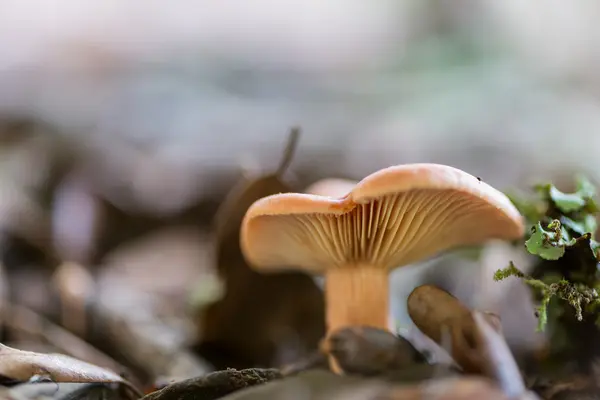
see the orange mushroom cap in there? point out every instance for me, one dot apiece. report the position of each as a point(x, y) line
point(393, 217)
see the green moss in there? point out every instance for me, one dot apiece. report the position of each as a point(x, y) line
point(561, 236)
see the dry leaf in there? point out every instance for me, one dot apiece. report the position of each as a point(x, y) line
point(263, 319)
point(21, 365)
point(433, 310)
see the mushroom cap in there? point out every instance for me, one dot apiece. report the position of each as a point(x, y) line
point(393, 217)
point(331, 187)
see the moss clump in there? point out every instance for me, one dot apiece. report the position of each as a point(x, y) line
point(577, 295)
point(565, 278)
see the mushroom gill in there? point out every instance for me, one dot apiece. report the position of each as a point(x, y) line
point(390, 231)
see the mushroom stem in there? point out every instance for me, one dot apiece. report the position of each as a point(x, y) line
point(357, 295)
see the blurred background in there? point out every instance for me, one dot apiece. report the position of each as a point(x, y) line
point(123, 125)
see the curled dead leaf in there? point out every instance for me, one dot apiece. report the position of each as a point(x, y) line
point(435, 311)
point(20, 365)
point(261, 319)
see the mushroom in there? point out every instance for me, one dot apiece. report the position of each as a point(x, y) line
point(393, 217)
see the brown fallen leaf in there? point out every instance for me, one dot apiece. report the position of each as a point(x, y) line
point(435, 311)
point(262, 320)
point(20, 365)
point(475, 338)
